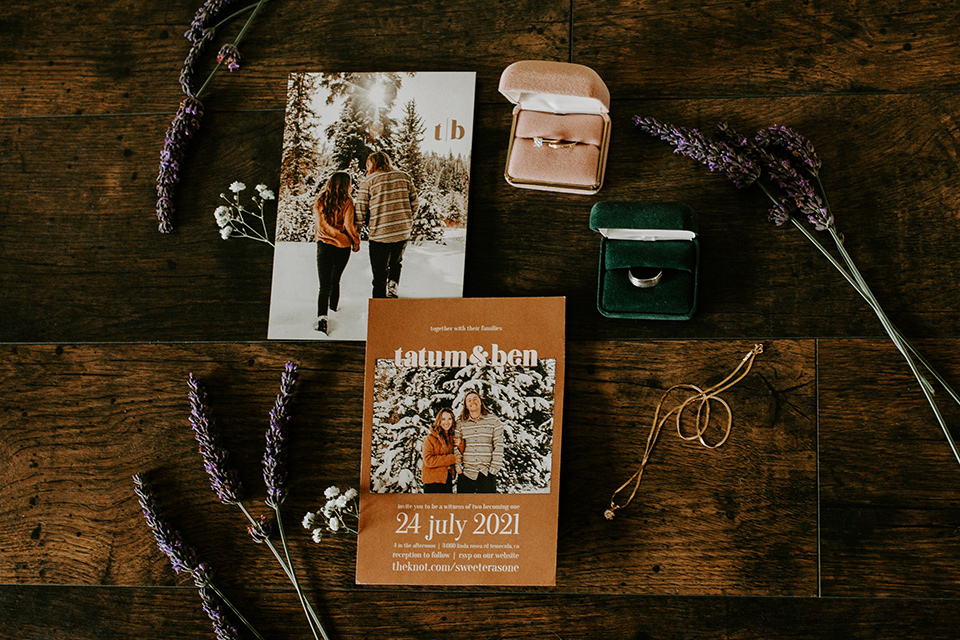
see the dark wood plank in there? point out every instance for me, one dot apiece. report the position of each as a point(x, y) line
point(78, 421)
point(77, 222)
point(85, 613)
point(889, 512)
point(125, 57)
point(82, 221)
point(660, 48)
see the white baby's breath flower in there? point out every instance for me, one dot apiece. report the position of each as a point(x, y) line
point(329, 508)
point(222, 214)
point(225, 232)
point(317, 535)
point(266, 194)
point(237, 187)
point(351, 493)
point(331, 492)
point(309, 519)
point(333, 524)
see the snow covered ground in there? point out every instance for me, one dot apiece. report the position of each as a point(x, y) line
point(429, 271)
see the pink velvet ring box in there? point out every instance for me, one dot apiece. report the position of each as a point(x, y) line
point(561, 126)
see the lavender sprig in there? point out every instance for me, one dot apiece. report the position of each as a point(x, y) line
point(182, 557)
point(224, 479)
point(226, 484)
point(230, 56)
point(275, 453)
point(797, 145)
point(184, 126)
point(260, 531)
point(189, 68)
point(798, 194)
point(717, 156)
point(187, 120)
point(204, 18)
point(797, 190)
point(213, 604)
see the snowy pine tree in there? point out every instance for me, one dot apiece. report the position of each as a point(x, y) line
point(301, 162)
point(407, 141)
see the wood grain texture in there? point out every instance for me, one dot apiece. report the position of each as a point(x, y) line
point(682, 49)
point(78, 613)
point(890, 515)
point(77, 219)
point(78, 421)
point(837, 481)
point(125, 57)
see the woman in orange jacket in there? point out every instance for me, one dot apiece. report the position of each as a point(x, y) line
point(336, 234)
point(441, 454)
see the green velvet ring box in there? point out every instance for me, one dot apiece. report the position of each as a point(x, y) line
point(650, 238)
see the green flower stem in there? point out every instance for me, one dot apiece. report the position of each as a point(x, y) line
point(253, 235)
point(927, 390)
point(286, 553)
point(310, 612)
point(874, 306)
point(232, 16)
point(263, 221)
point(236, 611)
point(871, 299)
point(906, 349)
point(236, 41)
point(899, 341)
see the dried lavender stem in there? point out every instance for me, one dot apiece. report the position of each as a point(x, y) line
point(236, 42)
point(307, 607)
point(927, 388)
point(232, 16)
point(286, 553)
point(236, 611)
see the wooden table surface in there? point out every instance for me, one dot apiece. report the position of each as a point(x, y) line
point(831, 512)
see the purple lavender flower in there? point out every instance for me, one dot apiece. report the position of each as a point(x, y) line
point(797, 191)
point(229, 56)
point(224, 480)
point(275, 454)
point(204, 19)
point(182, 557)
point(260, 532)
point(741, 169)
point(189, 68)
point(778, 214)
point(794, 143)
point(185, 124)
point(731, 136)
point(213, 605)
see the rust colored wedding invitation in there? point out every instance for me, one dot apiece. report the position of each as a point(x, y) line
point(461, 441)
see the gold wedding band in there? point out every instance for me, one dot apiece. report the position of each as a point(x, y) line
point(642, 282)
point(553, 143)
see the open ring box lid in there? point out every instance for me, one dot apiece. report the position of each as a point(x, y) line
point(557, 101)
point(651, 235)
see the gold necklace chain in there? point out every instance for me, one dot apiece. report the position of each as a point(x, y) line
point(704, 396)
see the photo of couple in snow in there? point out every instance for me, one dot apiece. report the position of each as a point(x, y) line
point(472, 429)
point(373, 195)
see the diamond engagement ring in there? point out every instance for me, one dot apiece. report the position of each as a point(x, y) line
point(644, 277)
point(553, 143)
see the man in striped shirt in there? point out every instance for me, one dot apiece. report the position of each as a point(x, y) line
point(482, 436)
point(386, 204)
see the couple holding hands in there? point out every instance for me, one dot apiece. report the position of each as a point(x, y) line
point(465, 451)
point(386, 205)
